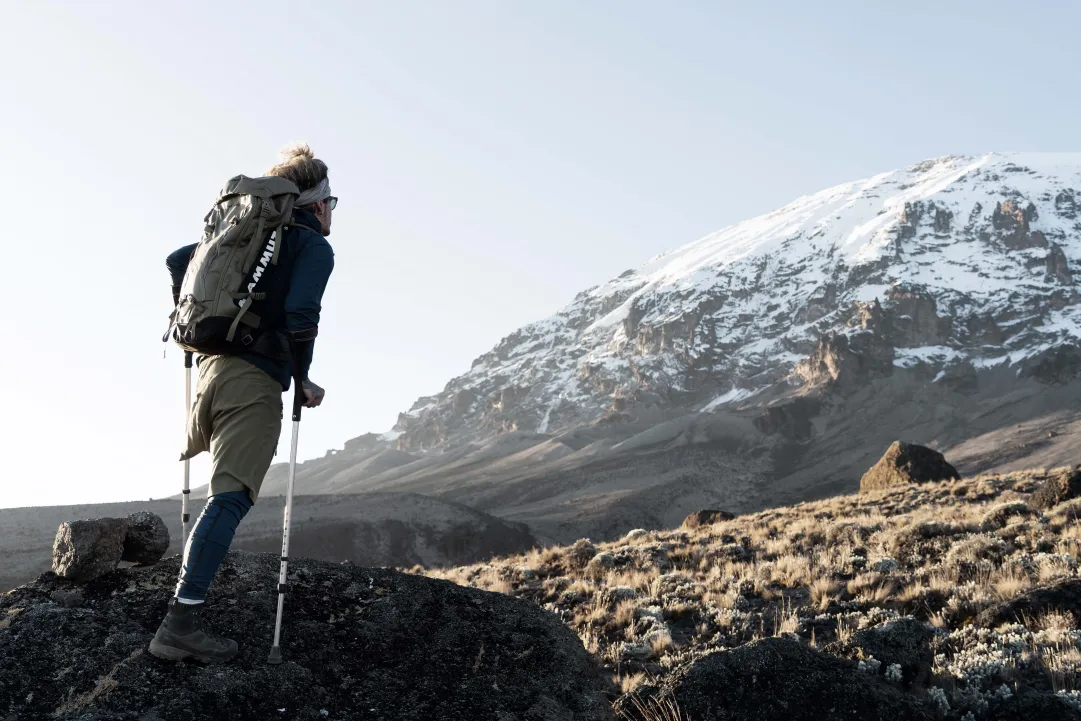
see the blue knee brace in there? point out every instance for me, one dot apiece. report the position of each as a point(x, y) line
point(209, 541)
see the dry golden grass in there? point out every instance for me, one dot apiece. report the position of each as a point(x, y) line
point(942, 552)
point(655, 709)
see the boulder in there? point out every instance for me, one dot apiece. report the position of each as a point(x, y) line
point(147, 538)
point(85, 550)
point(769, 680)
point(905, 642)
point(1063, 484)
point(706, 517)
point(906, 463)
point(356, 643)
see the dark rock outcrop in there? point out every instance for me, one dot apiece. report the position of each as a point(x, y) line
point(1013, 224)
point(915, 320)
point(1042, 706)
point(905, 642)
point(357, 643)
point(776, 678)
point(147, 538)
point(1058, 266)
point(791, 419)
point(706, 517)
point(1062, 485)
point(1065, 595)
point(84, 550)
point(906, 463)
point(1054, 366)
point(844, 362)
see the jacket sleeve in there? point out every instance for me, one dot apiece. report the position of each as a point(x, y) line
point(311, 271)
point(177, 263)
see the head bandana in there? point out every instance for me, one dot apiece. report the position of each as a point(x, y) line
point(314, 195)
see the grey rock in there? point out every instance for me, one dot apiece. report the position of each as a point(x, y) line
point(147, 538)
point(84, 550)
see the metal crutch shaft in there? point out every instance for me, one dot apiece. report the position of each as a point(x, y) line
point(298, 403)
point(184, 516)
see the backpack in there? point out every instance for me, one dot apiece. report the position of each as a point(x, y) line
point(240, 242)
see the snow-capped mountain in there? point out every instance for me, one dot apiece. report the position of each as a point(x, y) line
point(955, 264)
point(771, 362)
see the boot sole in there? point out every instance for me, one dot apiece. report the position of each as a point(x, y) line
point(172, 653)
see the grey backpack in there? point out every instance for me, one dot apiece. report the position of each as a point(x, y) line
point(241, 241)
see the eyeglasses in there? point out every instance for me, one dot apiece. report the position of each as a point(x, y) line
point(332, 202)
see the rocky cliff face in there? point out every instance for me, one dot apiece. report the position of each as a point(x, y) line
point(952, 262)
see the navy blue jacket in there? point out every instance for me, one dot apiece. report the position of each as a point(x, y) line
point(305, 262)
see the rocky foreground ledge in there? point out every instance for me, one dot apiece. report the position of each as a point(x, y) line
point(358, 644)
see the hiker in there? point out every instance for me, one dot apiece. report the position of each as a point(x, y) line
point(237, 413)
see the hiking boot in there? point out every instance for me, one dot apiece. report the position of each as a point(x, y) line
point(183, 634)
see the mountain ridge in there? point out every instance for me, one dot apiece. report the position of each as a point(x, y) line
point(661, 330)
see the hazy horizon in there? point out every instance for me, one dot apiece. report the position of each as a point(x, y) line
point(492, 160)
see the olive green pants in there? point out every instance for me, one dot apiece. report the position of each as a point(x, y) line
point(237, 416)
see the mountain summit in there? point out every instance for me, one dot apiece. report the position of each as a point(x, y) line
point(935, 302)
point(983, 244)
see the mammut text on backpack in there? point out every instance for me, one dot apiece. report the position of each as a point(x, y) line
point(241, 242)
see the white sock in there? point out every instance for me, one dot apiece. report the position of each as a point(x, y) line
point(187, 601)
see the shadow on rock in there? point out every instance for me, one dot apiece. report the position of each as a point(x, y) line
point(775, 679)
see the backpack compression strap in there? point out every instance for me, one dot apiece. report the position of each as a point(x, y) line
point(249, 298)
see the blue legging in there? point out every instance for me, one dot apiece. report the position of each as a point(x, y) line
point(209, 541)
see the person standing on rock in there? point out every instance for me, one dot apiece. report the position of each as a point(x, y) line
point(237, 413)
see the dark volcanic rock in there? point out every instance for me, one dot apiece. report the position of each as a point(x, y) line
point(706, 517)
point(84, 550)
point(1058, 266)
point(775, 679)
point(791, 419)
point(358, 644)
point(1064, 596)
point(147, 538)
point(1042, 706)
point(906, 642)
point(1054, 366)
point(1014, 223)
point(1064, 484)
point(907, 463)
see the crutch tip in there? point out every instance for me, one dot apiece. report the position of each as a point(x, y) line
point(275, 657)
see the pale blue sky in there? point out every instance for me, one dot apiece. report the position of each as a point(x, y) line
point(492, 159)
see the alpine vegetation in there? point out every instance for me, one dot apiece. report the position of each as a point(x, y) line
point(958, 594)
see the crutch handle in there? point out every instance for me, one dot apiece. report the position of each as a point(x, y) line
point(187, 358)
point(298, 397)
point(298, 380)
